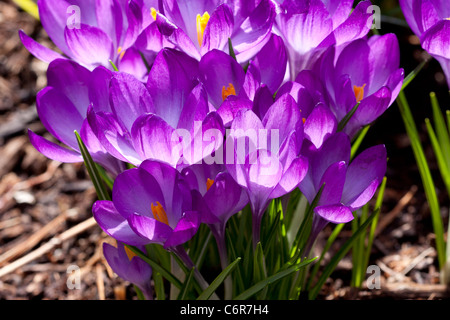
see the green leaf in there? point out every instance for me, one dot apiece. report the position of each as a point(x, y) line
point(218, 281)
point(441, 129)
point(425, 174)
point(347, 118)
point(259, 268)
point(91, 167)
point(338, 257)
point(264, 283)
point(186, 285)
point(231, 50)
point(410, 77)
point(359, 140)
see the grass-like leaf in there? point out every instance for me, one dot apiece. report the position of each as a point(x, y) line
point(264, 283)
point(205, 295)
point(91, 167)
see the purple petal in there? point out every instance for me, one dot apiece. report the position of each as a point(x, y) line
point(170, 82)
point(149, 228)
point(218, 30)
point(134, 191)
point(363, 176)
point(39, 51)
point(195, 109)
point(254, 32)
point(90, 46)
point(129, 98)
point(262, 102)
point(132, 62)
point(333, 181)
point(218, 71)
point(231, 107)
point(52, 150)
point(59, 116)
point(115, 225)
point(291, 177)
point(110, 19)
point(272, 62)
point(154, 139)
point(335, 213)
point(186, 228)
point(319, 125)
point(225, 197)
point(436, 40)
point(99, 80)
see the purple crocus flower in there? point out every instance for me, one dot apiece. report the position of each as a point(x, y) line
point(361, 74)
point(429, 20)
point(347, 186)
point(197, 27)
point(217, 196)
point(310, 27)
point(231, 89)
point(167, 120)
point(94, 32)
point(129, 267)
point(62, 107)
point(150, 204)
point(263, 156)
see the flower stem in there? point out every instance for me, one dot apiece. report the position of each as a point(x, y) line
point(218, 231)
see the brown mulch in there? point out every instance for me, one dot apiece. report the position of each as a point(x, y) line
point(40, 199)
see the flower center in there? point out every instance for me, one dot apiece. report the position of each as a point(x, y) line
point(153, 13)
point(202, 21)
point(228, 91)
point(359, 92)
point(130, 254)
point(120, 52)
point(159, 213)
point(209, 183)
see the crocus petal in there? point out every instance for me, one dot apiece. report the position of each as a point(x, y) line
point(186, 228)
point(113, 136)
point(272, 62)
point(90, 46)
point(170, 82)
point(254, 32)
point(154, 139)
point(218, 71)
point(291, 177)
point(100, 79)
point(132, 62)
point(356, 26)
point(363, 176)
point(252, 81)
point(59, 116)
point(218, 30)
point(369, 110)
point(110, 19)
point(115, 225)
point(436, 40)
point(262, 101)
point(52, 150)
point(53, 15)
point(135, 270)
point(333, 181)
point(129, 98)
point(39, 51)
point(231, 107)
point(225, 197)
point(335, 213)
point(149, 228)
point(134, 191)
point(195, 109)
point(320, 124)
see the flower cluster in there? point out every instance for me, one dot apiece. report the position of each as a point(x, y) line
point(216, 105)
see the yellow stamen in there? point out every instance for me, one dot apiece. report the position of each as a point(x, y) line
point(159, 213)
point(230, 91)
point(359, 92)
point(209, 183)
point(447, 18)
point(202, 21)
point(154, 13)
point(304, 120)
point(130, 254)
point(120, 52)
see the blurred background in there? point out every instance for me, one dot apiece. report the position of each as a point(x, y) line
point(41, 200)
